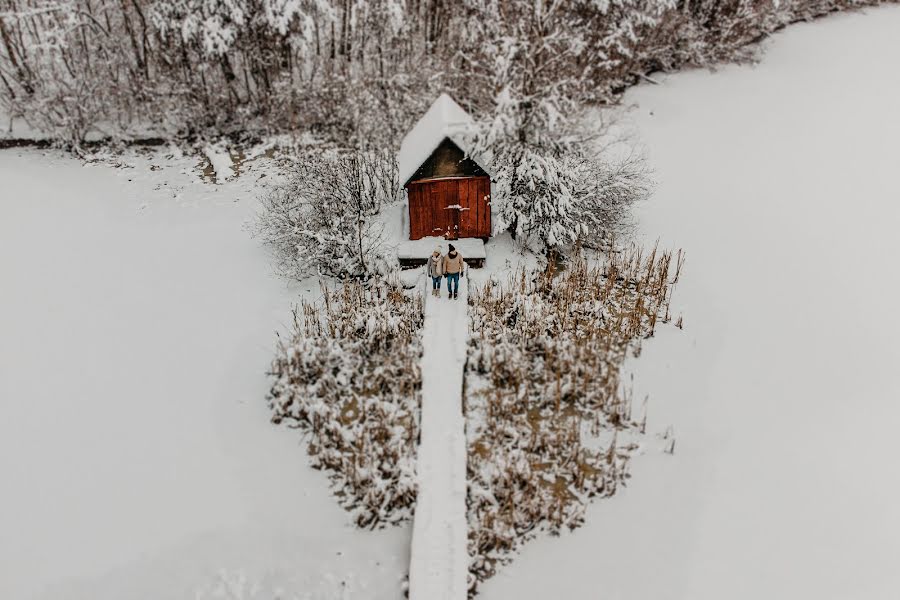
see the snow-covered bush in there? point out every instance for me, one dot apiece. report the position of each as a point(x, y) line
point(533, 197)
point(603, 192)
point(349, 377)
point(550, 194)
point(551, 203)
point(321, 220)
point(549, 422)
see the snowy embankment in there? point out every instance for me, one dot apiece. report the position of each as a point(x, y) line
point(780, 182)
point(137, 459)
point(439, 560)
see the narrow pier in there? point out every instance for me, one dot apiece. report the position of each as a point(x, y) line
point(439, 559)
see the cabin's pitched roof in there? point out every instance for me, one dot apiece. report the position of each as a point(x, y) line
point(445, 119)
point(447, 160)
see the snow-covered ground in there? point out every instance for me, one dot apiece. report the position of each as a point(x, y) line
point(780, 182)
point(137, 460)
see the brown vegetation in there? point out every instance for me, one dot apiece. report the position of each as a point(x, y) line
point(550, 422)
point(349, 377)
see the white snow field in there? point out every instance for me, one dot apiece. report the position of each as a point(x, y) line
point(137, 461)
point(439, 561)
point(780, 182)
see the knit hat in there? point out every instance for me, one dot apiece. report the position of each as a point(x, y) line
point(437, 249)
point(452, 249)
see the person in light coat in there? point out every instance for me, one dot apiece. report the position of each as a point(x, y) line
point(435, 269)
point(453, 268)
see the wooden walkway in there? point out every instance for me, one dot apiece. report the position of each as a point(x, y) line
point(439, 558)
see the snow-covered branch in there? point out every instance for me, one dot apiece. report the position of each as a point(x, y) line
point(321, 220)
point(356, 71)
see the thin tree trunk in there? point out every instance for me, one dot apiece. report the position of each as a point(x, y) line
point(23, 77)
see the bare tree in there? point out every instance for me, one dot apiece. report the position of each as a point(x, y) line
point(353, 70)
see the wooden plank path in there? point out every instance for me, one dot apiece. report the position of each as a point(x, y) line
point(439, 559)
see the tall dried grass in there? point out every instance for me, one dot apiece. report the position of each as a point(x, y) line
point(349, 377)
point(550, 421)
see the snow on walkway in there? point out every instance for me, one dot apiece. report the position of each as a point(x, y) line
point(780, 182)
point(439, 561)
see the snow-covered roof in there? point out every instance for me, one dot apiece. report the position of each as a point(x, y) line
point(445, 119)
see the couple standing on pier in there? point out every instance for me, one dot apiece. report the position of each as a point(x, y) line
point(450, 266)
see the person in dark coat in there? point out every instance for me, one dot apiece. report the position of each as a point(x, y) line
point(453, 267)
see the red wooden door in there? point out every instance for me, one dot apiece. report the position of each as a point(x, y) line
point(451, 208)
point(442, 218)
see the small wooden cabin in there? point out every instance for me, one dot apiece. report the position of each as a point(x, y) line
point(448, 191)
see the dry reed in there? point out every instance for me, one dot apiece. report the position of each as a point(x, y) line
point(549, 420)
point(349, 377)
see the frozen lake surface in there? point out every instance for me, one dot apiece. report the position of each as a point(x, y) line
point(780, 182)
point(136, 455)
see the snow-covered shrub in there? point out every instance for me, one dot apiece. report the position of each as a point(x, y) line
point(552, 203)
point(603, 192)
point(549, 423)
point(321, 220)
point(534, 197)
point(549, 193)
point(349, 377)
